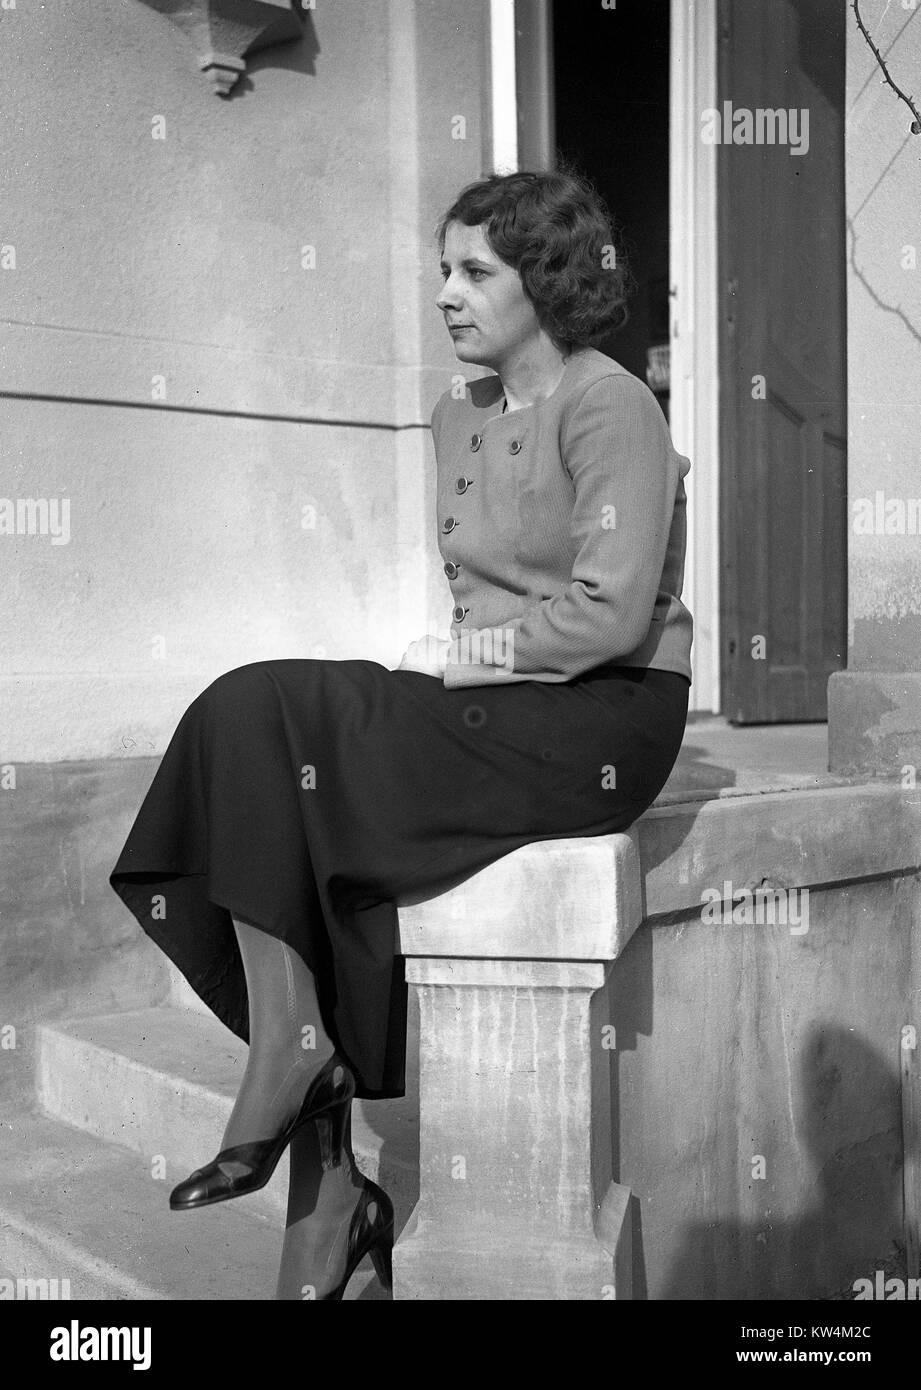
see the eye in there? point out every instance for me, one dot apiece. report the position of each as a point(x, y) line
point(476, 274)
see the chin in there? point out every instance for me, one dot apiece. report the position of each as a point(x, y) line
point(468, 352)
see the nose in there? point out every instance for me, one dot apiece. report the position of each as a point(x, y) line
point(448, 297)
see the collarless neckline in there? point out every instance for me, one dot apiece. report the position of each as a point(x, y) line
point(506, 414)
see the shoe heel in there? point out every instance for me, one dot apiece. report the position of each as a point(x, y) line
point(331, 1133)
point(382, 1259)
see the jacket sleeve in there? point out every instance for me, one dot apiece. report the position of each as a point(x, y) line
point(619, 454)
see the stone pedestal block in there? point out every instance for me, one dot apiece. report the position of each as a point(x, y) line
point(518, 1198)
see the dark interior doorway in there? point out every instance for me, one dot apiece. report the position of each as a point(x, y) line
point(611, 81)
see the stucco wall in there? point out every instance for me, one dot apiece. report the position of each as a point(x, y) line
point(759, 1092)
point(884, 334)
point(170, 368)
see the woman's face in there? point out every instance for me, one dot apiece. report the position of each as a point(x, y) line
point(487, 312)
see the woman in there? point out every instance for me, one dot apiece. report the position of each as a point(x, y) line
point(299, 799)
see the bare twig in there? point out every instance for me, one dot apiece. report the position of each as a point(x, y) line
point(909, 101)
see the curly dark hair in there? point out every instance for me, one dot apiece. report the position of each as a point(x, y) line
point(555, 230)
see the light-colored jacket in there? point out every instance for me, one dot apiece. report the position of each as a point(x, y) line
point(562, 527)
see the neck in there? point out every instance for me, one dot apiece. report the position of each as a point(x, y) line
point(533, 373)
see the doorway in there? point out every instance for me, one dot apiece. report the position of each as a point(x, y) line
point(755, 389)
point(628, 83)
point(611, 84)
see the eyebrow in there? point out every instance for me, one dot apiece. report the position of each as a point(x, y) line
point(468, 261)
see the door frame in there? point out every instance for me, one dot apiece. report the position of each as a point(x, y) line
point(522, 132)
point(694, 405)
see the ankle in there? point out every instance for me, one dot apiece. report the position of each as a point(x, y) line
point(318, 1055)
point(345, 1183)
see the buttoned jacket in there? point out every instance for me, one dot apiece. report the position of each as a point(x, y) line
point(562, 529)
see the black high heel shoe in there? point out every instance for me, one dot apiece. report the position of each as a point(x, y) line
point(370, 1233)
point(326, 1102)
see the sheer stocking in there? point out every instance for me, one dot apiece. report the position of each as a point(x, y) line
point(287, 1041)
point(288, 1045)
point(321, 1202)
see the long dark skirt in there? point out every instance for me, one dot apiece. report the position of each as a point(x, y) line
point(306, 796)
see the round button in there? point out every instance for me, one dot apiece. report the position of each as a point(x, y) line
point(514, 446)
point(459, 613)
point(476, 441)
point(462, 484)
point(451, 569)
point(448, 524)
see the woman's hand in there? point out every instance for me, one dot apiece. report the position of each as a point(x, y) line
point(428, 655)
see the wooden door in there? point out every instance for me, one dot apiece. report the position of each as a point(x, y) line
point(782, 357)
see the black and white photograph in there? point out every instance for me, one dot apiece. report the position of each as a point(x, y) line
point(460, 665)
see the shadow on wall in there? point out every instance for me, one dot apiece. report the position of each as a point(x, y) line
point(297, 56)
point(853, 1172)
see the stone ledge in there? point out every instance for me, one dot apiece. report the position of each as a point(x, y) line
point(590, 894)
point(567, 899)
point(792, 839)
point(457, 971)
point(41, 361)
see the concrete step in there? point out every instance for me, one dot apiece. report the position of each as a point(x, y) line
point(80, 1218)
point(161, 1082)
